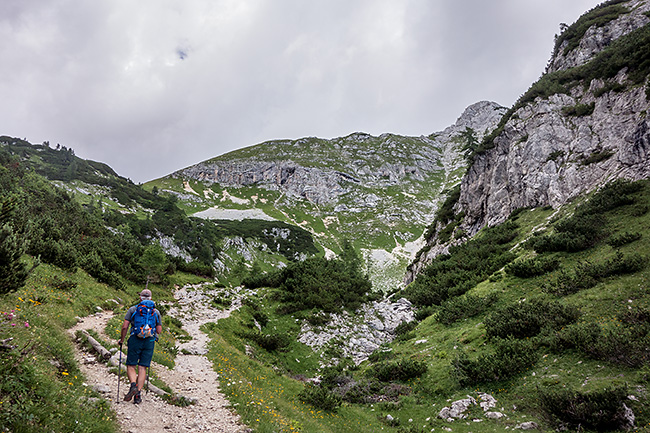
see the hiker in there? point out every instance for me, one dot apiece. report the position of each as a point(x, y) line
point(145, 321)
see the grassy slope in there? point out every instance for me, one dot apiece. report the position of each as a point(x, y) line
point(400, 216)
point(42, 383)
point(261, 387)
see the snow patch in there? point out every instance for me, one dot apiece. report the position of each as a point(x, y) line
point(215, 213)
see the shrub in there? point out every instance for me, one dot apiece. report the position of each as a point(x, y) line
point(511, 357)
point(423, 313)
point(597, 157)
point(624, 345)
point(553, 156)
point(528, 318)
point(328, 285)
point(445, 212)
point(577, 233)
point(613, 195)
point(579, 110)
point(533, 267)
point(639, 210)
point(400, 370)
point(320, 398)
point(271, 342)
point(587, 274)
point(586, 227)
point(624, 239)
point(601, 410)
point(465, 266)
point(404, 330)
point(464, 307)
point(13, 272)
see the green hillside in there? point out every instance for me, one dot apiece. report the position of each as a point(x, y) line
point(109, 219)
point(386, 193)
point(554, 324)
point(548, 311)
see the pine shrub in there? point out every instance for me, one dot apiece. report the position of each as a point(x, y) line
point(528, 318)
point(623, 239)
point(400, 370)
point(320, 398)
point(510, 358)
point(463, 307)
point(601, 410)
point(533, 267)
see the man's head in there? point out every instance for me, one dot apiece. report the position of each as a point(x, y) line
point(145, 294)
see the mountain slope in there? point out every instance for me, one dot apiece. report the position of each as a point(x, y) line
point(378, 192)
point(584, 123)
point(132, 217)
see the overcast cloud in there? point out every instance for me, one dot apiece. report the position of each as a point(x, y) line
point(152, 86)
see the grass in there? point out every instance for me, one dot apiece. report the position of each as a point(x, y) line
point(268, 402)
point(267, 396)
point(264, 386)
point(41, 380)
point(43, 388)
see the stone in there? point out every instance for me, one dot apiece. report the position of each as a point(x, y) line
point(457, 409)
point(529, 425)
point(360, 335)
point(102, 389)
point(487, 401)
point(494, 415)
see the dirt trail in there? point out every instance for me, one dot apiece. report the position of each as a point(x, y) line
point(192, 377)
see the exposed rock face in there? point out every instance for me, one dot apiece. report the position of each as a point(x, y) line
point(546, 155)
point(312, 184)
point(373, 326)
point(598, 38)
point(321, 171)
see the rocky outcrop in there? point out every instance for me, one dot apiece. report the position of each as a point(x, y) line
point(321, 171)
point(545, 157)
point(597, 38)
point(310, 183)
point(361, 334)
point(553, 149)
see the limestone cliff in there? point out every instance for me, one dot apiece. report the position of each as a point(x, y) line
point(553, 146)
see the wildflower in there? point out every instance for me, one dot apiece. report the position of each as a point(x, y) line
point(26, 325)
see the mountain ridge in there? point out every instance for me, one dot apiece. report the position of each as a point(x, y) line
point(584, 123)
point(378, 192)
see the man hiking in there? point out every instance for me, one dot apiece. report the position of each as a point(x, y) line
point(146, 325)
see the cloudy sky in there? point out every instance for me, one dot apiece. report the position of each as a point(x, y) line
point(152, 86)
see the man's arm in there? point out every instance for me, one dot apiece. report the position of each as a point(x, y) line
point(125, 328)
point(158, 326)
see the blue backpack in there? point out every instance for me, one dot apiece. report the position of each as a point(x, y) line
point(143, 320)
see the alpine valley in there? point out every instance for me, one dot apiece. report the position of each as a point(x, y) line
point(487, 277)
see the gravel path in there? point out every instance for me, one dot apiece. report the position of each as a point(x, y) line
point(192, 377)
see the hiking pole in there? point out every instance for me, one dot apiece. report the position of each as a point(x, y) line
point(147, 380)
point(119, 375)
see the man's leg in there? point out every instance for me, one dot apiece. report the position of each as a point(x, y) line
point(130, 373)
point(142, 376)
point(133, 390)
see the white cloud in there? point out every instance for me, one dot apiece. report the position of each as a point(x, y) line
point(155, 85)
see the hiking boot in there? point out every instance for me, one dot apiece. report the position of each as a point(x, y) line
point(132, 391)
point(137, 398)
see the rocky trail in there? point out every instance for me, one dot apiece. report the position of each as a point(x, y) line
point(192, 377)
